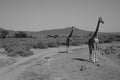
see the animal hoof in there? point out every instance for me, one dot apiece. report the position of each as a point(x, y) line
point(90, 60)
point(94, 61)
point(82, 68)
point(98, 65)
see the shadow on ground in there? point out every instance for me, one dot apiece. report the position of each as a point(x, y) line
point(81, 59)
point(63, 52)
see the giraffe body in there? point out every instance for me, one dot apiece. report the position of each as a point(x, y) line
point(68, 41)
point(93, 43)
point(93, 49)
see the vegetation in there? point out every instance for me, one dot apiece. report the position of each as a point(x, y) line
point(4, 62)
point(3, 34)
point(40, 45)
point(16, 47)
point(20, 52)
point(52, 44)
point(22, 42)
point(113, 49)
point(20, 34)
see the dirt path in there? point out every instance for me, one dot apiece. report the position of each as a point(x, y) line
point(10, 72)
point(78, 67)
point(74, 65)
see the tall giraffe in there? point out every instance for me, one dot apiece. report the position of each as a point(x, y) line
point(93, 42)
point(68, 40)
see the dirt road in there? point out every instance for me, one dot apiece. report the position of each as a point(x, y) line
point(72, 66)
point(9, 73)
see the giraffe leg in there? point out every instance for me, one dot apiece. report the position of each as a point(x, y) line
point(67, 49)
point(93, 56)
point(90, 54)
point(96, 60)
point(70, 49)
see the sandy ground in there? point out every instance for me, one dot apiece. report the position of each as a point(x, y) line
point(9, 72)
point(55, 64)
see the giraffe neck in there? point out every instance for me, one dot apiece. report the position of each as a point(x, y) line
point(70, 33)
point(96, 31)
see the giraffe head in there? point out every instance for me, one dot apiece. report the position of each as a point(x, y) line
point(72, 27)
point(100, 20)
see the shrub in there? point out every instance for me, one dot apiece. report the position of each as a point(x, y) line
point(3, 34)
point(12, 54)
point(5, 62)
point(25, 53)
point(4, 53)
point(41, 45)
point(20, 34)
point(16, 49)
point(13, 47)
point(52, 44)
point(18, 52)
point(111, 50)
point(56, 36)
point(9, 47)
point(75, 43)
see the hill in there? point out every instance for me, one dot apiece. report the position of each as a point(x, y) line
point(80, 35)
point(64, 31)
point(60, 31)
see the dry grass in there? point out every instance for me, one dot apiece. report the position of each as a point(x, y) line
point(111, 50)
point(50, 75)
point(4, 62)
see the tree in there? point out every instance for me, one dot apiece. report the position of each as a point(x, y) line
point(20, 34)
point(3, 34)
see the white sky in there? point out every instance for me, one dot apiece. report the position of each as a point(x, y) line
point(36, 15)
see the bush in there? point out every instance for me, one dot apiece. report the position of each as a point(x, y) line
point(52, 44)
point(14, 47)
point(20, 34)
point(5, 62)
point(9, 48)
point(111, 50)
point(41, 45)
point(4, 53)
point(17, 49)
point(18, 52)
point(3, 34)
point(56, 36)
point(74, 43)
point(13, 54)
point(25, 53)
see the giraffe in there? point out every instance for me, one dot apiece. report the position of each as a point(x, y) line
point(93, 42)
point(68, 41)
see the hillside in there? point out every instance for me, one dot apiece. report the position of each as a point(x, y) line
point(80, 36)
point(64, 31)
point(60, 31)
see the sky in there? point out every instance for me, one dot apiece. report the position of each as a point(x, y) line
point(37, 15)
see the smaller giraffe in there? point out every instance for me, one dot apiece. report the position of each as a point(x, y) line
point(68, 41)
point(93, 42)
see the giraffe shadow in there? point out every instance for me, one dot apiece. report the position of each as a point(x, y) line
point(81, 59)
point(63, 52)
